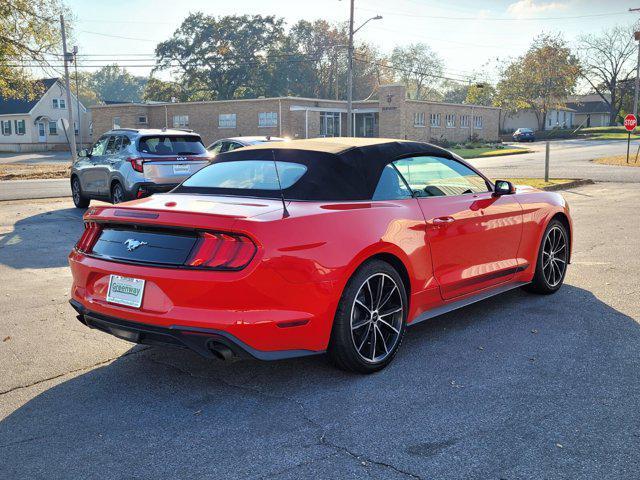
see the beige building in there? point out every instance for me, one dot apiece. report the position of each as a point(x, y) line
point(392, 116)
point(41, 123)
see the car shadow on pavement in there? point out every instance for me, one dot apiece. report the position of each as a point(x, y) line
point(519, 386)
point(43, 240)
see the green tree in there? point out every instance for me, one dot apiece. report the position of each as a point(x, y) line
point(480, 93)
point(29, 35)
point(608, 65)
point(231, 56)
point(418, 67)
point(539, 80)
point(160, 91)
point(116, 84)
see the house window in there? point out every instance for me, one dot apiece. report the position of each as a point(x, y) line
point(6, 127)
point(53, 128)
point(180, 121)
point(450, 120)
point(21, 127)
point(75, 128)
point(55, 103)
point(330, 124)
point(267, 119)
point(465, 121)
point(62, 103)
point(434, 119)
point(142, 119)
point(227, 120)
point(477, 121)
point(418, 119)
point(116, 122)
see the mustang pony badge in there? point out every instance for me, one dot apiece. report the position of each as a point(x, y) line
point(133, 244)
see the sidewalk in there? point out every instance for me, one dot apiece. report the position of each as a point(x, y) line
point(35, 157)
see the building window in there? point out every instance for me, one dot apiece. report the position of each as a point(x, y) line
point(6, 127)
point(330, 124)
point(21, 127)
point(62, 103)
point(450, 120)
point(434, 119)
point(477, 121)
point(142, 119)
point(267, 119)
point(227, 120)
point(75, 128)
point(180, 121)
point(465, 121)
point(418, 119)
point(55, 103)
point(53, 128)
point(116, 122)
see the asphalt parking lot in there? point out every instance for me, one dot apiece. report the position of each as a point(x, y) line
point(515, 387)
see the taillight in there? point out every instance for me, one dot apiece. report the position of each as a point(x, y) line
point(88, 239)
point(137, 163)
point(223, 251)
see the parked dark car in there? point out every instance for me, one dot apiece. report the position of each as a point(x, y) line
point(524, 135)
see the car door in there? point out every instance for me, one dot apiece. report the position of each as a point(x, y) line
point(473, 234)
point(88, 170)
point(103, 165)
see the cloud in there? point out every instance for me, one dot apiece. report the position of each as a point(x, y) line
point(531, 8)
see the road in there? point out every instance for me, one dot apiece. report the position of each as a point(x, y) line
point(34, 158)
point(569, 159)
point(520, 386)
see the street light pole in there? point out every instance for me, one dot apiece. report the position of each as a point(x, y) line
point(75, 64)
point(636, 35)
point(350, 74)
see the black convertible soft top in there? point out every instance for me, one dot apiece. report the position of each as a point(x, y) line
point(338, 169)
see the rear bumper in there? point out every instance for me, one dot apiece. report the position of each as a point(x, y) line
point(200, 340)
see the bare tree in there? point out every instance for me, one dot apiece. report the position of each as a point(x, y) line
point(608, 63)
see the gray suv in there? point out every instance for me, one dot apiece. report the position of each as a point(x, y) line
point(126, 163)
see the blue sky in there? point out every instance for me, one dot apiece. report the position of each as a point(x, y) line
point(467, 34)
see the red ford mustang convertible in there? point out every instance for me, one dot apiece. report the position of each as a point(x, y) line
point(311, 246)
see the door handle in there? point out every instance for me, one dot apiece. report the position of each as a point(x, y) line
point(442, 220)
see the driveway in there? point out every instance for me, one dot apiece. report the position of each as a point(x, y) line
point(520, 386)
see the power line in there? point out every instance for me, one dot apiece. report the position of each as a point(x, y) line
point(497, 19)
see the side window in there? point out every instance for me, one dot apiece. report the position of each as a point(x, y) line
point(111, 146)
point(436, 177)
point(118, 145)
point(125, 142)
point(100, 146)
point(233, 146)
point(224, 147)
point(391, 186)
point(215, 148)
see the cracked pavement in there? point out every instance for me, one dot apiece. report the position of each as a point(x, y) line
point(515, 387)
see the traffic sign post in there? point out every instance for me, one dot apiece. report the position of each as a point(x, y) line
point(630, 123)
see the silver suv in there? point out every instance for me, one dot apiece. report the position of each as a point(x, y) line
point(126, 163)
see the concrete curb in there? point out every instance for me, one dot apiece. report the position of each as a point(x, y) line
point(578, 182)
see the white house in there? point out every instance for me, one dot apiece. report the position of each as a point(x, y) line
point(36, 125)
point(556, 118)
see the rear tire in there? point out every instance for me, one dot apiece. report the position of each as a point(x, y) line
point(79, 200)
point(370, 321)
point(117, 193)
point(552, 261)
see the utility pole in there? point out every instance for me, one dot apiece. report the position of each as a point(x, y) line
point(350, 75)
point(636, 35)
point(75, 64)
point(68, 57)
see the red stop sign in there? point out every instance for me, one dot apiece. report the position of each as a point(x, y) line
point(630, 122)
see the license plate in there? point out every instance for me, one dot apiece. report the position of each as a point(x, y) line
point(125, 291)
point(182, 168)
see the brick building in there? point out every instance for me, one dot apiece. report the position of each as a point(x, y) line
point(392, 116)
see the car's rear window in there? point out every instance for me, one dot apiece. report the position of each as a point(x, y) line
point(171, 145)
point(247, 175)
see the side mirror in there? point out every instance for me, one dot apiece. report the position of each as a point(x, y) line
point(503, 187)
point(84, 153)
